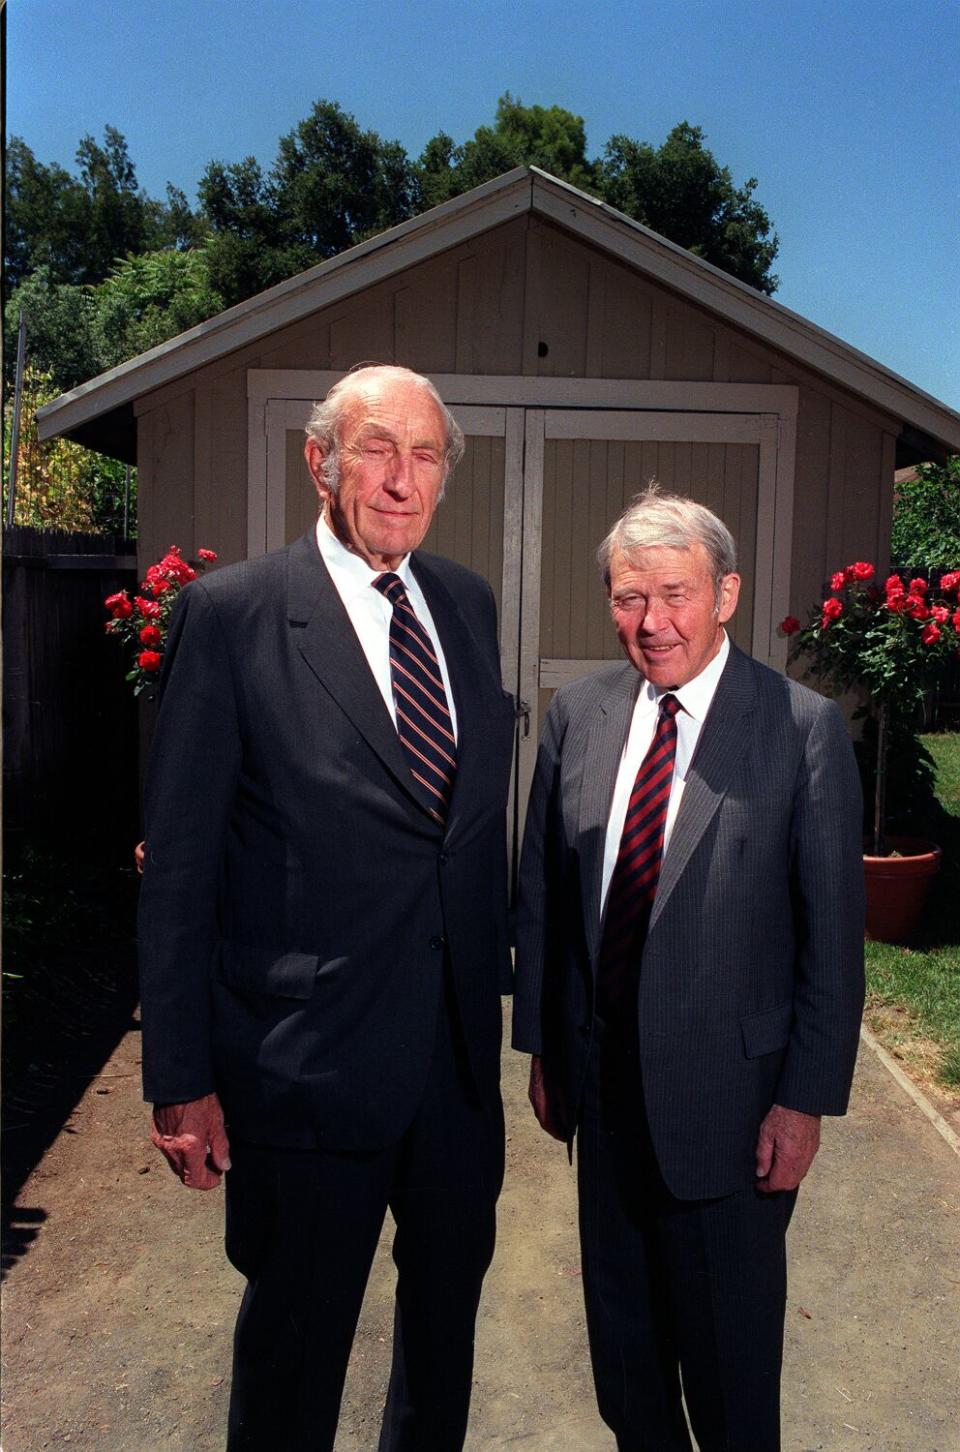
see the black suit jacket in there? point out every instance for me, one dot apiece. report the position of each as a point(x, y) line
point(298, 900)
point(751, 975)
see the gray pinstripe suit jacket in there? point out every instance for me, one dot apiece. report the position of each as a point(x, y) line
point(751, 976)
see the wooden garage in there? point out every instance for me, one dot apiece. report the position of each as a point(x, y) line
point(582, 354)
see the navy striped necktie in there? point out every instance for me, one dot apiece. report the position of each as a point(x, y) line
point(423, 716)
point(633, 885)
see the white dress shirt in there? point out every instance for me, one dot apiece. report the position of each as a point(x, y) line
point(370, 612)
point(695, 698)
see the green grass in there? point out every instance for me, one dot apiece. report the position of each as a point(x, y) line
point(914, 993)
point(945, 750)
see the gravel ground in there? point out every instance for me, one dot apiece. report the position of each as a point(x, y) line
point(119, 1303)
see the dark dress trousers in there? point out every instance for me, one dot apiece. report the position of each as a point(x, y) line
point(748, 993)
point(327, 958)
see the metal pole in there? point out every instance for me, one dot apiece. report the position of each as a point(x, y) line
point(15, 427)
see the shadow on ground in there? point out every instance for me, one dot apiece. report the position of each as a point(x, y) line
point(70, 995)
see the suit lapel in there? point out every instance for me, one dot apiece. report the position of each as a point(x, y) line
point(602, 753)
point(725, 736)
point(329, 645)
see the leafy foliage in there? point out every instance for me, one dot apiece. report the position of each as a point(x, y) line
point(60, 484)
point(926, 518)
point(143, 623)
point(681, 191)
point(77, 226)
point(103, 271)
point(892, 644)
point(332, 185)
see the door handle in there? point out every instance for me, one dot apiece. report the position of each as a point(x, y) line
point(522, 713)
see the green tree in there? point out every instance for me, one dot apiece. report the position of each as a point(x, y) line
point(78, 226)
point(60, 484)
point(75, 332)
point(332, 185)
point(147, 300)
point(926, 518)
point(681, 191)
point(61, 340)
point(45, 221)
point(549, 137)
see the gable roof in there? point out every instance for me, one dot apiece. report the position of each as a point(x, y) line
point(100, 412)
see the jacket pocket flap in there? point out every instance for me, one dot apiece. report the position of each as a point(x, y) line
point(766, 1032)
point(263, 970)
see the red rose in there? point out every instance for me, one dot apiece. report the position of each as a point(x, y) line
point(209, 555)
point(956, 621)
point(893, 585)
point(832, 610)
point(940, 614)
point(918, 586)
point(789, 625)
point(931, 634)
point(149, 660)
point(838, 580)
point(860, 571)
point(950, 581)
point(916, 607)
point(149, 609)
point(150, 635)
point(897, 603)
point(119, 605)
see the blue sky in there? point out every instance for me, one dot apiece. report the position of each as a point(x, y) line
point(847, 112)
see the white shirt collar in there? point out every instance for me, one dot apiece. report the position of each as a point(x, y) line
point(352, 573)
point(697, 695)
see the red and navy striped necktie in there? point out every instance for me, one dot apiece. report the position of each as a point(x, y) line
point(633, 885)
point(423, 716)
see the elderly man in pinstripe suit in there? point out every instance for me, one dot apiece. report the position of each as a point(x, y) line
point(690, 981)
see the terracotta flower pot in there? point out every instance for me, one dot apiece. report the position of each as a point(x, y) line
point(897, 888)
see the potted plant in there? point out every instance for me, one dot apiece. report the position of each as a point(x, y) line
point(891, 643)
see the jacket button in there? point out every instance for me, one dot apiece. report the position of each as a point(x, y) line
point(437, 941)
point(444, 858)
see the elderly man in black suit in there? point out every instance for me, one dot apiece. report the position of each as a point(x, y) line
point(689, 981)
point(323, 926)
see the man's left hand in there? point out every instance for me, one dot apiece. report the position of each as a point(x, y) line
point(786, 1145)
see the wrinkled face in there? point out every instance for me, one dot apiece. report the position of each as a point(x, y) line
point(664, 605)
point(392, 439)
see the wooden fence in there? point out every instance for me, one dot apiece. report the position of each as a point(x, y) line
point(69, 718)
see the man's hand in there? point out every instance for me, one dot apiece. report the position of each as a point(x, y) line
point(193, 1140)
point(547, 1105)
point(786, 1145)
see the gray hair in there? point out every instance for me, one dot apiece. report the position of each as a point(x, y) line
point(326, 417)
point(656, 520)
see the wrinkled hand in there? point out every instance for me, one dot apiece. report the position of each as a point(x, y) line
point(193, 1140)
point(138, 855)
point(786, 1145)
point(546, 1101)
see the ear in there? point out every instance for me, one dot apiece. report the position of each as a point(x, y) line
point(315, 454)
point(729, 595)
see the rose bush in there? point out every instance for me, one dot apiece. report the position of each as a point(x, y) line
point(892, 641)
point(141, 623)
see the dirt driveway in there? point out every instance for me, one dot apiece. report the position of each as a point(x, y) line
point(119, 1304)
